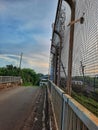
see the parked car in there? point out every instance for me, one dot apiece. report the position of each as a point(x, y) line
point(43, 82)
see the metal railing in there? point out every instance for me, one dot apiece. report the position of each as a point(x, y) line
point(69, 114)
point(9, 79)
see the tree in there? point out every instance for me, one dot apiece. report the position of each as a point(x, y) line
point(28, 75)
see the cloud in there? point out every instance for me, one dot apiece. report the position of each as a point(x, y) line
point(5, 59)
point(39, 68)
point(27, 62)
point(25, 26)
point(2, 8)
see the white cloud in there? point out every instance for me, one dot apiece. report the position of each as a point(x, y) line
point(29, 31)
point(5, 58)
point(27, 62)
point(2, 8)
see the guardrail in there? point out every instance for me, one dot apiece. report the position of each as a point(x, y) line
point(69, 114)
point(9, 79)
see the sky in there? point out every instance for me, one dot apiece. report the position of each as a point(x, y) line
point(25, 27)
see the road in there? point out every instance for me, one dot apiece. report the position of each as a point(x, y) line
point(15, 106)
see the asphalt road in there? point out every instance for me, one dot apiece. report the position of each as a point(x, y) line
point(15, 106)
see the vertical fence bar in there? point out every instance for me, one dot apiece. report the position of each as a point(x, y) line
point(68, 89)
point(69, 114)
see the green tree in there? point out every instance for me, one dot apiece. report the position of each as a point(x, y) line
point(29, 76)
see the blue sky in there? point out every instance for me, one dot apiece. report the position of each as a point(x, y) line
point(25, 26)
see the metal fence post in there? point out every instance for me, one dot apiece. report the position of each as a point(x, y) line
point(68, 89)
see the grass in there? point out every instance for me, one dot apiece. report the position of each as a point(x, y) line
point(97, 91)
point(89, 103)
point(29, 84)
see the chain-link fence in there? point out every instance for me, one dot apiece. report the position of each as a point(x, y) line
point(84, 71)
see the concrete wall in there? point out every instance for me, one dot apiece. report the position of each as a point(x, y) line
point(9, 81)
point(9, 85)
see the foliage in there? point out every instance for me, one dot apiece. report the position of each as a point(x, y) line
point(96, 92)
point(29, 76)
point(9, 70)
point(89, 103)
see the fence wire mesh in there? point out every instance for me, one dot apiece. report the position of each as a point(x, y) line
point(85, 45)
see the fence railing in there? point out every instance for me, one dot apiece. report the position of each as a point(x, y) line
point(69, 114)
point(9, 79)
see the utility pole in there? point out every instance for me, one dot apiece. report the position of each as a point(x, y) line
point(20, 60)
point(20, 64)
point(82, 67)
point(70, 55)
point(94, 83)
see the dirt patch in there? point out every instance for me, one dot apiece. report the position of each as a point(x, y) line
point(41, 116)
point(34, 121)
point(9, 85)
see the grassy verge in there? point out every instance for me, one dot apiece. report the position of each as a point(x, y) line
point(97, 92)
point(29, 84)
point(89, 103)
